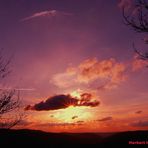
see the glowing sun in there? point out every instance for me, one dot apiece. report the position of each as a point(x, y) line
point(73, 114)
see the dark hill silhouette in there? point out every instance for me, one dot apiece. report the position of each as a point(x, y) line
point(39, 138)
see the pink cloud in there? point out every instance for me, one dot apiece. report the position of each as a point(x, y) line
point(92, 70)
point(138, 64)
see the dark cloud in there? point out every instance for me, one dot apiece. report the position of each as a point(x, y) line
point(138, 112)
point(64, 101)
point(74, 117)
point(54, 103)
point(105, 119)
point(80, 121)
point(140, 124)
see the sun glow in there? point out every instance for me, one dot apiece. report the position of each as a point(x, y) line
point(76, 94)
point(73, 114)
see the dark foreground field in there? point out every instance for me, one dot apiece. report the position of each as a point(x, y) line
point(38, 138)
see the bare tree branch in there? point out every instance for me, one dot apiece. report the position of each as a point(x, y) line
point(142, 56)
point(9, 99)
point(4, 66)
point(138, 22)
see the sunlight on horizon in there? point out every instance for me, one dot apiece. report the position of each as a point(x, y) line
point(73, 114)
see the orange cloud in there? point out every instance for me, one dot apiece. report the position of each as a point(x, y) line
point(92, 70)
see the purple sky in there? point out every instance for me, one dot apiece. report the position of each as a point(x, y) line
point(45, 37)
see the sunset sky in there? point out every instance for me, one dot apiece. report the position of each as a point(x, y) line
point(74, 65)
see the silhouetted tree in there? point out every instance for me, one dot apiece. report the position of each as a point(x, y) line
point(137, 19)
point(9, 100)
